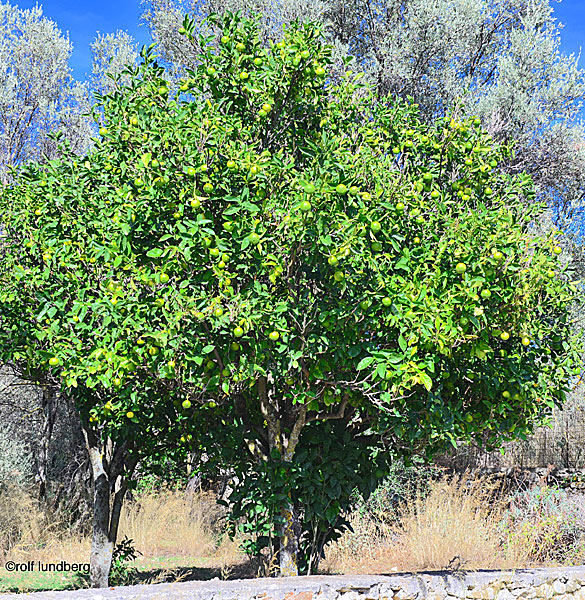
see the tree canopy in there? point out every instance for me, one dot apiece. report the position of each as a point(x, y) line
point(501, 61)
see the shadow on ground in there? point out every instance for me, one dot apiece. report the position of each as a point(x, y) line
point(247, 570)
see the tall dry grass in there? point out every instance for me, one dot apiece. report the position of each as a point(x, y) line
point(459, 523)
point(173, 523)
point(455, 525)
point(29, 533)
point(453, 522)
point(160, 524)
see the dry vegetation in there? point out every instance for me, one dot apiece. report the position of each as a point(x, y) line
point(447, 523)
point(170, 530)
point(458, 523)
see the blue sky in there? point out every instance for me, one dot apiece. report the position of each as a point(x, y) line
point(82, 18)
point(572, 14)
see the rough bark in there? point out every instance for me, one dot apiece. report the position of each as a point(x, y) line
point(49, 405)
point(289, 542)
point(291, 530)
point(111, 466)
point(102, 547)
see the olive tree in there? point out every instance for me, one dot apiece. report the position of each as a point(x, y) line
point(269, 251)
point(37, 93)
point(112, 53)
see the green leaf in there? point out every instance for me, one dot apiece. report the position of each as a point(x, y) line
point(365, 362)
point(145, 159)
point(426, 381)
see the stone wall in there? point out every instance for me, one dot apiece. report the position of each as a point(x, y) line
point(564, 583)
point(517, 478)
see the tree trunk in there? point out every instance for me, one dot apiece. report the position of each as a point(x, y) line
point(290, 530)
point(49, 405)
point(289, 543)
point(111, 471)
point(102, 547)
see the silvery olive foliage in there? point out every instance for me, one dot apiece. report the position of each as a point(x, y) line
point(16, 464)
point(165, 17)
point(38, 94)
point(112, 53)
point(499, 59)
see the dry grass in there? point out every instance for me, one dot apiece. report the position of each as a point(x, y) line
point(27, 533)
point(459, 524)
point(168, 523)
point(456, 524)
point(362, 550)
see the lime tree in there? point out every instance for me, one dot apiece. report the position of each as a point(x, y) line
point(283, 253)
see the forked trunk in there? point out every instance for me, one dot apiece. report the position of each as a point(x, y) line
point(111, 466)
point(286, 446)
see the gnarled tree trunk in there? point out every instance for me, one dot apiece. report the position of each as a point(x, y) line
point(289, 543)
point(49, 399)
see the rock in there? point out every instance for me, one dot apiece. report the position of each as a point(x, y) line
point(571, 586)
point(559, 587)
point(505, 594)
point(350, 596)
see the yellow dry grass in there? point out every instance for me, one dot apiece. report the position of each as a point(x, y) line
point(164, 523)
point(459, 524)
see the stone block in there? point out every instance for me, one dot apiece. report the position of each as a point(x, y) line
point(578, 594)
point(505, 594)
point(559, 587)
point(349, 596)
point(307, 595)
point(481, 593)
point(571, 586)
point(545, 591)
